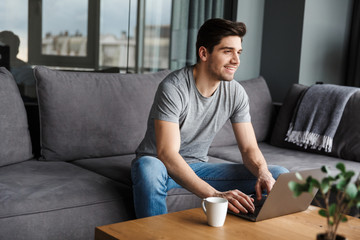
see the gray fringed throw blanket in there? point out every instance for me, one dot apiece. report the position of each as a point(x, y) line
point(317, 116)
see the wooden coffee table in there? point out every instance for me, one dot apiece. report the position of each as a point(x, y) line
point(191, 224)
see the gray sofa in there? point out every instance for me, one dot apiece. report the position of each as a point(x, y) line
point(90, 125)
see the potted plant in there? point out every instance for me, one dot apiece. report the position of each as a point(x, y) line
point(347, 194)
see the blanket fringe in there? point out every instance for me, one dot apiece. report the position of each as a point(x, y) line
point(309, 139)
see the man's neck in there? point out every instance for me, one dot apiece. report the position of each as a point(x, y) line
point(205, 84)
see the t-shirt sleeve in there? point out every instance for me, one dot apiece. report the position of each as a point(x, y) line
point(168, 103)
point(241, 111)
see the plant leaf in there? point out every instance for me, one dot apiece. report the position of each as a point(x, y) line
point(332, 209)
point(298, 188)
point(323, 212)
point(325, 185)
point(294, 188)
point(325, 169)
point(351, 190)
point(331, 178)
point(341, 184)
point(292, 185)
point(298, 176)
point(349, 174)
point(344, 218)
point(313, 182)
point(341, 167)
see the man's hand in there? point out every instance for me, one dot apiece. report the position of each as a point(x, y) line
point(265, 182)
point(238, 201)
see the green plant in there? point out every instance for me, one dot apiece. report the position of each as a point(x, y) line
point(347, 194)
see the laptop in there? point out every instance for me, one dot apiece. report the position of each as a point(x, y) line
point(281, 201)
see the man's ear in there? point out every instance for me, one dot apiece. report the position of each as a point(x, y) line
point(203, 53)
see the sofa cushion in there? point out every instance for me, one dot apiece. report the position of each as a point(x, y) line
point(346, 142)
point(291, 159)
point(347, 138)
point(58, 200)
point(88, 115)
point(261, 106)
point(261, 111)
point(15, 143)
point(117, 168)
point(229, 153)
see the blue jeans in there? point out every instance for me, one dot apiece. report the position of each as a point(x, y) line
point(151, 181)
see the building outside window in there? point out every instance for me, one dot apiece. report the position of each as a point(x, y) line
point(64, 28)
point(117, 45)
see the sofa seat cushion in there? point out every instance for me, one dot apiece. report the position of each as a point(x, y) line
point(293, 160)
point(15, 143)
point(346, 142)
point(34, 187)
point(261, 111)
point(299, 160)
point(89, 115)
point(117, 168)
point(57, 200)
point(229, 153)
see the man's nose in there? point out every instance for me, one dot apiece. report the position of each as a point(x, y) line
point(235, 58)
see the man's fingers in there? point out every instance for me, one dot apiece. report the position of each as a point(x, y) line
point(236, 207)
point(264, 184)
point(268, 189)
point(258, 191)
point(239, 201)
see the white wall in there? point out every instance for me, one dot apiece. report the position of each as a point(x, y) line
point(324, 41)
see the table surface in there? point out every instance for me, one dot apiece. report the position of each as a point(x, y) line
point(191, 224)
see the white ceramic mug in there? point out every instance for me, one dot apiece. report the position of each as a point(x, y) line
point(215, 209)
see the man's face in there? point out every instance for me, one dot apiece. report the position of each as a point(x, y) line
point(225, 58)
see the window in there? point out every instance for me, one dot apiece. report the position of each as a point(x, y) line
point(117, 34)
point(63, 33)
point(14, 34)
point(14, 18)
point(64, 28)
point(129, 35)
point(157, 35)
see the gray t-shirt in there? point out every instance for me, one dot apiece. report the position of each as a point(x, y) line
point(200, 118)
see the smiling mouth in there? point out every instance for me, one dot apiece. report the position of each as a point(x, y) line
point(233, 69)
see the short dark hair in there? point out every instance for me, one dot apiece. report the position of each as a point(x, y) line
point(214, 30)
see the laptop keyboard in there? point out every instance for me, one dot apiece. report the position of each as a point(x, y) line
point(258, 205)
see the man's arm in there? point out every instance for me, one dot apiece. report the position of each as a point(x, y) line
point(252, 157)
point(168, 146)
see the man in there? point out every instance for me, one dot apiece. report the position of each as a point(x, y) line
point(189, 108)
